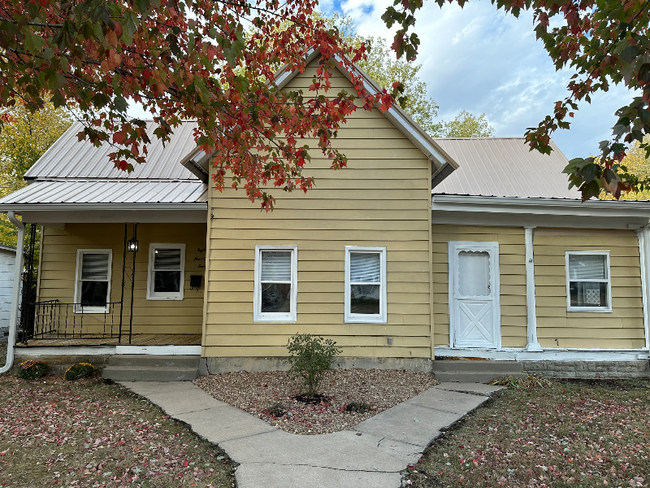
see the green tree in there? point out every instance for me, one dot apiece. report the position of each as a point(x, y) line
point(467, 125)
point(603, 42)
point(25, 137)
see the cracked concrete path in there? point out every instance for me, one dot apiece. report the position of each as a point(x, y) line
point(373, 454)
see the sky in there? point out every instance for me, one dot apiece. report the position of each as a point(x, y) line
point(481, 60)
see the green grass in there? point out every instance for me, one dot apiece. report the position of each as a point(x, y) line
point(91, 434)
point(570, 434)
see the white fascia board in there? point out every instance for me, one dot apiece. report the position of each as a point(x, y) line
point(541, 206)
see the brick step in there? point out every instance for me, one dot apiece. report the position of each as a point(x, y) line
point(129, 373)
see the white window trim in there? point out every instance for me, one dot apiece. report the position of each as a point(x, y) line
point(381, 317)
point(151, 294)
point(258, 315)
point(77, 282)
point(608, 281)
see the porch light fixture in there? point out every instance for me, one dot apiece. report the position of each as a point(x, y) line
point(132, 245)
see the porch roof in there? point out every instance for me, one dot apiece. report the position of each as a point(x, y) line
point(90, 193)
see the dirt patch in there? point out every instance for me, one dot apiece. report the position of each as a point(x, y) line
point(268, 394)
point(90, 434)
point(573, 433)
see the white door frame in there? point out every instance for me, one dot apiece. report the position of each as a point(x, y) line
point(492, 248)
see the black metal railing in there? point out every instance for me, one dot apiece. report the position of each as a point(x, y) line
point(56, 320)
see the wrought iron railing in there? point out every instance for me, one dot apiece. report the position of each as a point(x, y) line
point(56, 320)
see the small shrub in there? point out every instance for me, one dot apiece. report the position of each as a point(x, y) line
point(310, 357)
point(276, 411)
point(358, 407)
point(531, 381)
point(32, 369)
point(79, 370)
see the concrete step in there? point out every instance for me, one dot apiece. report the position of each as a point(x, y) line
point(473, 377)
point(470, 366)
point(129, 373)
point(149, 361)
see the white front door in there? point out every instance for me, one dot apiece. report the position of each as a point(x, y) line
point(474, 310)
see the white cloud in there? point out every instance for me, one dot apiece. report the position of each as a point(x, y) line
point(484, 61)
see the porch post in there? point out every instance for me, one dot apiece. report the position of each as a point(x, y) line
point(531, 312)
point(643, 235)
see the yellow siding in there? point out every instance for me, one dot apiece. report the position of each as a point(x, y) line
point(512, 267)
point(58, 263)
point(623, 327)
point(381, 199)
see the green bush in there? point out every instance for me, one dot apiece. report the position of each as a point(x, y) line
point(79, 370)
point(32, 369)
point(310, 356)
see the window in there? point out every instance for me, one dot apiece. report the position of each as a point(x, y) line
point(93, 280)
point(588, 281)
point(166, 277)
point(275, 283)
point(365, 284)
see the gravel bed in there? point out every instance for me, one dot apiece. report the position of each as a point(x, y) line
point(258, 393)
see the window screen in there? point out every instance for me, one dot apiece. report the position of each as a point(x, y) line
point(365, 283)
point(588, 281)
point(93, 280)
point(276, 281)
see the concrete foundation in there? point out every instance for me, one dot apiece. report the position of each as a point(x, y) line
point(253, 364)
point(59, 363)
point(588, 369)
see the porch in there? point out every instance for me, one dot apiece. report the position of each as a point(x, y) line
point(136, 340)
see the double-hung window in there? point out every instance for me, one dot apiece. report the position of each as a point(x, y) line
point(365, 284)
point(93, 280)
point(275, 283)
point(588, 281)
point(166, 275)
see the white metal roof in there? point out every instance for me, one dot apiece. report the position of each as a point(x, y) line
point(69, 158)
point(504, 167)
point(108, 192)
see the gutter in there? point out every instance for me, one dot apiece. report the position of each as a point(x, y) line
point(15, 296)
point(111, 207)
point(541, 206)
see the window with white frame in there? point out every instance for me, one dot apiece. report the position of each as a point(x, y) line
point(166, 271)
point(365, 284)
point(588, 281)
point(93, 280)
point(275, 283)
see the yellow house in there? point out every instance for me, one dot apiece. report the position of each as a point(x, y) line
point(421, 248)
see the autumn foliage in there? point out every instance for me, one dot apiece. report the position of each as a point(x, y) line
point(186, 60)
point(603, 42)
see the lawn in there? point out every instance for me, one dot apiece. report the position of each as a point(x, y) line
point(570, 434)
point(91, 434)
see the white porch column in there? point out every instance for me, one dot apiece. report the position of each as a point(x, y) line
point(644, 258)
point(531, 311)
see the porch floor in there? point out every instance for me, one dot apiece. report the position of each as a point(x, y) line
point(136, 340)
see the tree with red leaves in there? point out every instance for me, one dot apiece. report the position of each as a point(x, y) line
point(186, 60)
point(605, 42)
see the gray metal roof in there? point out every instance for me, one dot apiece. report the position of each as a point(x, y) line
point(69, 158)
point(111, 191)
point(504, 167)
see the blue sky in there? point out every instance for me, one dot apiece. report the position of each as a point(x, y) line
point(481, 60)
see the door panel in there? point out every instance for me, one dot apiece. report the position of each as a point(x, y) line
point(474, 309)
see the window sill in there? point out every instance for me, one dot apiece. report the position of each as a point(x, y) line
point(365, 320)
point(165, 298)
point(589, 310)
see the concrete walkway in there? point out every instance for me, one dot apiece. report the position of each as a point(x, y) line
point(372, 455)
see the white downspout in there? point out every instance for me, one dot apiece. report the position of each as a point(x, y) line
point(531, 310)
point(15, 297)
point(644, 255)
